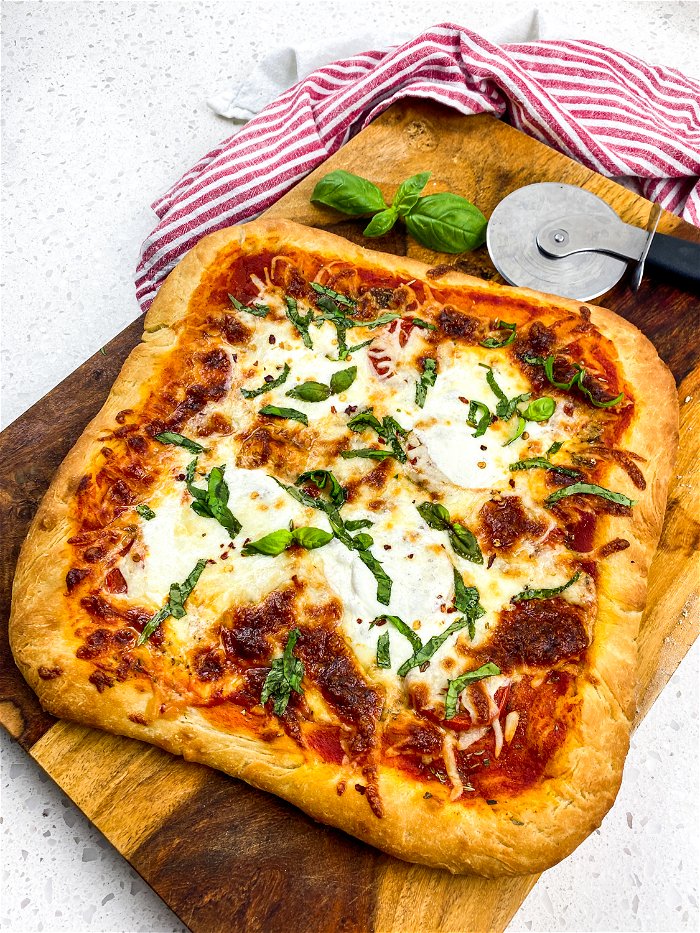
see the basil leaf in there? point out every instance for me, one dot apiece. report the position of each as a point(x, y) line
point(505, 409)
point(285, 675)
point(343, 379)
point(311, 538)
point(467, 602)
point(529, 593)
point(426, 651)
point(494, 343)
point(383, 656)
point(211, 502)
point(175, 606)
point(367, 453)
point(419, 322)
point(291, 414)
point(477, 410)
point(300, 321)
point(362, 541)
point(409, 192)
point(554, 449)
point(388, 429)
point(257, 310)
point(518, 431)
point(336, 296)
point(455, 687)
point(400, 626)
point(540, 409)
point(381, 223)
point(348, 193)
point(589, 489)
point(365, 419)
point(385, 318)
point(358, 523)
point(464, 543)
point(427, 379)
point(310, 392)
point(384, 582)
point(576, 380)
point(145, 512)
point(271, 544)
point(324, 481)
point(541, 463)
point(447, 223)
point(267, 386)
point(170, 437)
point(434, 515)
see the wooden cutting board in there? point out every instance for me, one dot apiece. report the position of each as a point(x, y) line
point(227, 857)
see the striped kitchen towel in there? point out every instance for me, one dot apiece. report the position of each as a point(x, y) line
point(608, 110)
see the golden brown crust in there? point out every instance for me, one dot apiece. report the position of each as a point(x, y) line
point(522, 835)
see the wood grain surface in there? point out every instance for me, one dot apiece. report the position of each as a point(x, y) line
point(223, 855)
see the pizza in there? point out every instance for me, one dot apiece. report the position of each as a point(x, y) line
point(368, 535)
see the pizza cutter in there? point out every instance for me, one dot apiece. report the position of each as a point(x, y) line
point(567, 241)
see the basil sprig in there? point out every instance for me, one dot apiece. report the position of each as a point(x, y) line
point(290, 414)
point(175, 605)
point(145, 512)
point(427, 379)
point(276, 542)
point(388, 430)
point(542, 463)
point(589, 489)
point(529, 593)
point(445, 222)
point(179, 440)
point(319, 392)
point(461, 538)
point(576, 380)
point(211, 502)
point(302, 322)
point(258, 310)
point(494, 343)
point(285, 675)
point(330, 503)
point(267, 386)
point(455, 687)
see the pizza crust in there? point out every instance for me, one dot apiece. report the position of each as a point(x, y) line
point(525, 834)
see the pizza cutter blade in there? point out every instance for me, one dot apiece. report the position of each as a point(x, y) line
point(561, 239)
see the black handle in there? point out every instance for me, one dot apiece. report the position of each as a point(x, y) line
point(675, 260)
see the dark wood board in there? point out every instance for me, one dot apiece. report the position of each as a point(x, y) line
point(223, 855)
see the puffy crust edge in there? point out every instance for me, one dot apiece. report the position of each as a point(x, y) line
point(524, 834)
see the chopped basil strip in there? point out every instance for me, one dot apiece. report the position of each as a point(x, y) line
point(455, 687)
point(367, 453)
point(427, 379)
point(463, 541)
point(576, 380)
point(267, 386)
point(426, 651)
point(357, 346)
point(212, 501)
point(479, 417)
point(384, 581)
point(278, 541)
point(358, 523)
point(540, 409)
point(343, 379)
point(145, 512)
point(419, 322)
point(170, 437)
point(324, 481)
point(401, 627)
point(589, 489)
point(310, 392)
point(377, 322)
point(336, 296)
point(175, 605)
point(291, 414)
point(518, 431)
point(505, 408)
point(529, 593)
point(285, 675)
point(494, 343)
point(554, 449)
point(300, 321)
point(467, 602)
point(389, 430)
point(257, 310)
point(541, 463)
point(383, 656)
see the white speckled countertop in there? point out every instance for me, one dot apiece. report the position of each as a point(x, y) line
point(103, 107)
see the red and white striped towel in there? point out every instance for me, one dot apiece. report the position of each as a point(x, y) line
point(608, 110)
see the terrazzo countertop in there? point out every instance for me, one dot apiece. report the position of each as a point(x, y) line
point(103, 107)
